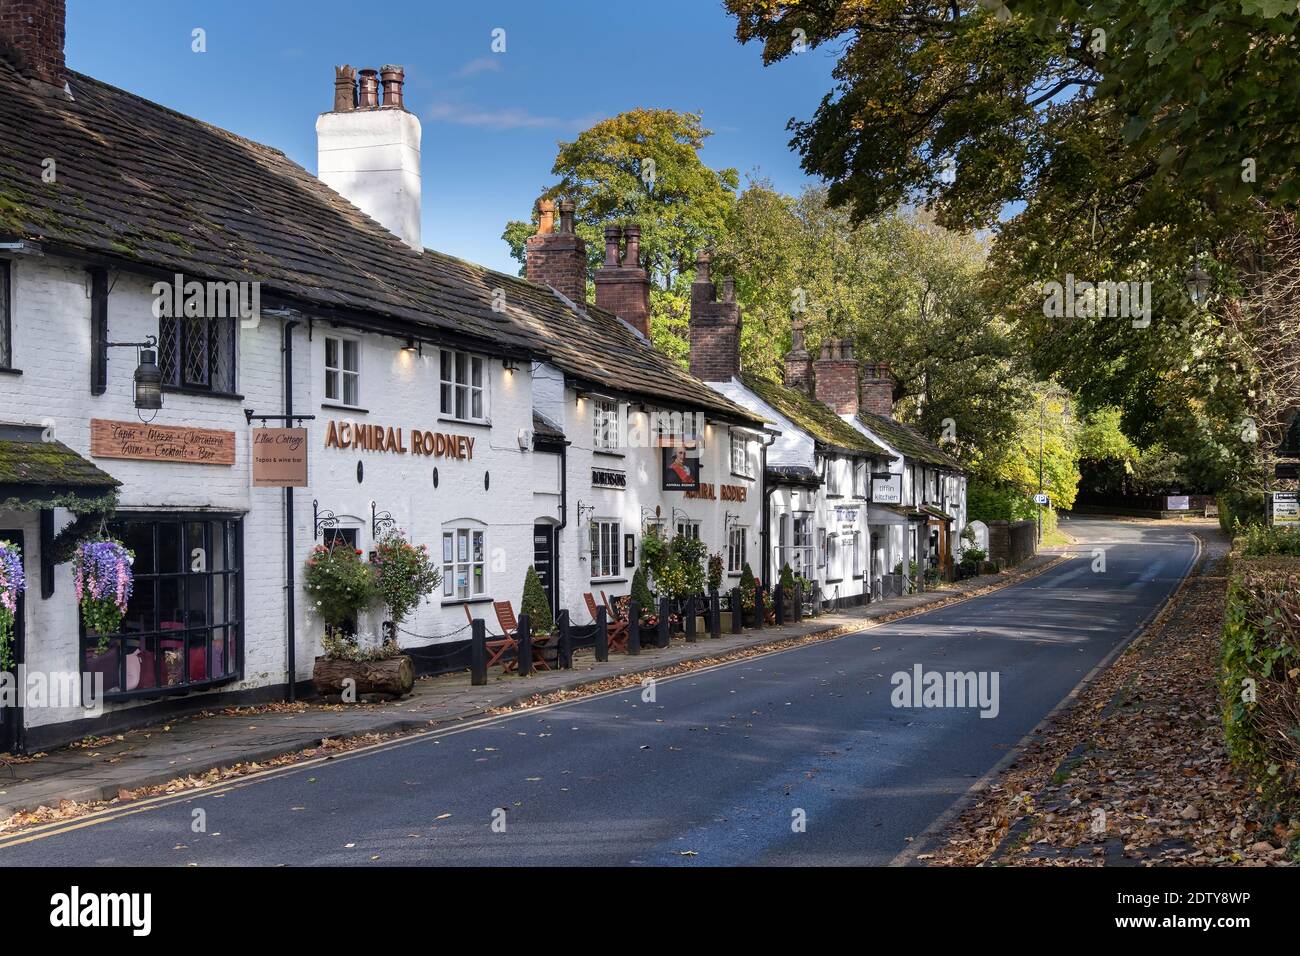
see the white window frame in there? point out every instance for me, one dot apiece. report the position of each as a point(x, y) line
point(801, 545)
point(861, 475)
point(456, 383)
point(605, 425)
point(857, 554)
point(737, 543)
point(740, 460)
point(339, 371)
point(606, 547)
point(689, 528)
point(834, 569)
point(460, 556)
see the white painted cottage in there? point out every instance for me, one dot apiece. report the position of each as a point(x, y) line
point(478, 412)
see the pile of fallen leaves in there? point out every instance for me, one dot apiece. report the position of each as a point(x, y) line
point(1137, 771)
point(69, 809)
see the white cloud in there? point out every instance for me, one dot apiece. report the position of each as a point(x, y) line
point(482, 64)
point(502, 119)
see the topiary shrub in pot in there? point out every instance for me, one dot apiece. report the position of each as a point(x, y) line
point(536, 605)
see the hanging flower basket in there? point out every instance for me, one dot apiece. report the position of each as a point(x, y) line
point(12, 584)
point(104, 582)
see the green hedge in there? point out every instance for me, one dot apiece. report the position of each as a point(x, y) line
point(1260, 673)
point(1240, 507)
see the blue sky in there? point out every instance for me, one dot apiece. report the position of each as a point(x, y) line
point(491, 121)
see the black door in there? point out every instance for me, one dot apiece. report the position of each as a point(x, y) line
point(544, 559)
point(11, 718)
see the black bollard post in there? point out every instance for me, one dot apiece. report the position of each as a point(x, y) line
point(602, 635)
point(564, 653)
point(778, 603)
point(737, 612)
point(524, 646)
point(633, 628)
point(689, 611)
point(477, 654)
point(715, 616)
point(661, 635)
point(758, 607)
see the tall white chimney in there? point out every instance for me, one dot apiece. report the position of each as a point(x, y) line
point(369, 151)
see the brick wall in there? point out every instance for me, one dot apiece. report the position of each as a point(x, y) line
point(622, 286)
point(31, 37)
point(1011, 542)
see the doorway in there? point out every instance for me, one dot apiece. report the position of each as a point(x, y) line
point(544, 560)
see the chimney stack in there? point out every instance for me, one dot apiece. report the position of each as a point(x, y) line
point(878, 389)
point(798, 363)
point(622, 286)
point(715, 327)
point(394, 77)
point(835, 377)
point(31, 39)
point(558, 258)
point(369, 154)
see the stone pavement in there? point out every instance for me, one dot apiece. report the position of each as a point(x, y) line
point(97, 769)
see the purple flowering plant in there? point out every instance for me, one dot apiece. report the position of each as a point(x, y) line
point(103, 581)
point(12, 584)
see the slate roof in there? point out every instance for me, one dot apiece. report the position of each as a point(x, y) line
point(142, 184)
point(812, 416)
point(908, 441)
point(793, 475)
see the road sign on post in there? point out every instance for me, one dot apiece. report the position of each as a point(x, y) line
point(1041, 499)
point(1285, 508)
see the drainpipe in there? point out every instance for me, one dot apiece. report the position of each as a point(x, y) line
point(765, 520)
point(291, 694)
point(564, 518)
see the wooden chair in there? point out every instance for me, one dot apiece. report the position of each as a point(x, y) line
point(615, 625)
point(498, 646)
point(510, 627)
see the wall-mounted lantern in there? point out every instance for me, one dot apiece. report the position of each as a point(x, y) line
point(147, 378)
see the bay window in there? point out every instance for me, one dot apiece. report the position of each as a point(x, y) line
point(461, 378)
point(464, 563)
point(182, 627)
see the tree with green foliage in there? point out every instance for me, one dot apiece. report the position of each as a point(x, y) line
point(644, 166)
point(535, 604)
point(1110, 141)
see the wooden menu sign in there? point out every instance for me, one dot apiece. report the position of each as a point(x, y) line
point(279, 457)
point(187, 446)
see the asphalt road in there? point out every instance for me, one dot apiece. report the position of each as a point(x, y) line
point(795, 758)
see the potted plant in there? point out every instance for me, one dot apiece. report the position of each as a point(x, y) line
point(715, 572)
point(340, 586)
point(809, 594)
point(12, 584)
point(645, 601)
point(405, 575)
point(748, 594)
point(536, 606)
point(103, 581)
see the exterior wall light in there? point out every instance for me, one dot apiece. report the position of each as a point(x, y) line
point(147, 378)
